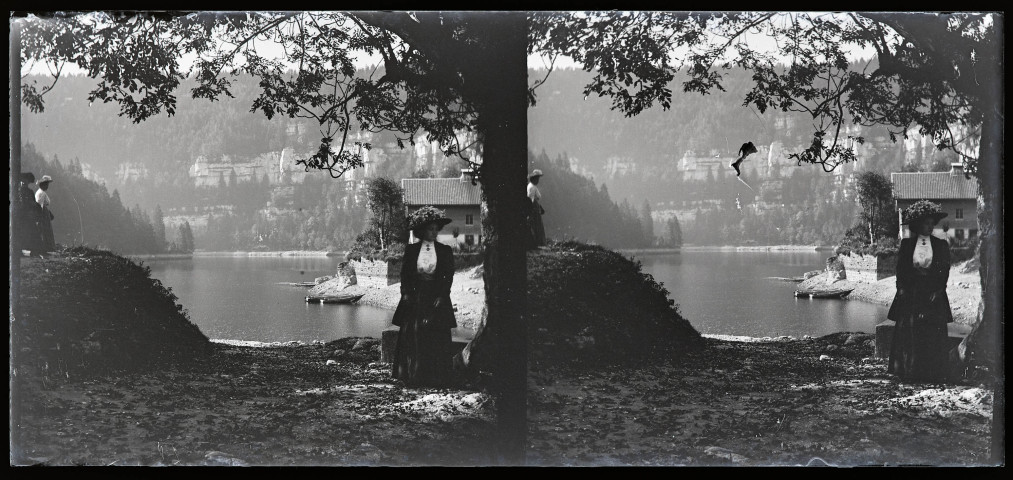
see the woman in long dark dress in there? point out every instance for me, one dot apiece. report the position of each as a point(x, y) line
point(423, 355)
point(45, 214)
point(921, 308)
point(29, 236)
point(535, 211)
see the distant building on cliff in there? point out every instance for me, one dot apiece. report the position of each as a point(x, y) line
point(954, 192)
point(461, 198)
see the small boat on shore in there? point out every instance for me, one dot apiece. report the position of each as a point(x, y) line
point(787, 279)
point(322, 299)
point(299, 284)
point(832, 293)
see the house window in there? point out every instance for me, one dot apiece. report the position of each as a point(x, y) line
point(959, 214)
point(469, 239)
point(469, 220)
point(959, 233)
point(972, 233)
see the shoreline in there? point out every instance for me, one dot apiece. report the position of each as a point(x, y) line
point(160, 256)
point(757, 248)
point(273, 253)
point(962, 288)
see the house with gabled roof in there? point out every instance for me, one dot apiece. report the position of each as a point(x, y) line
point(460, 198)
point(956, 193)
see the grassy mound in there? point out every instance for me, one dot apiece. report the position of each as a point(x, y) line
point(91, 311)
point(592, 304)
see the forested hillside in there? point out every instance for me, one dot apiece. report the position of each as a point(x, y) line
point(624, 161)
point(643, 158)
point(85, 212)
point(577, 209)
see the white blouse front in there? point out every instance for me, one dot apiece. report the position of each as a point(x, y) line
point(427, 258)
point(923, 252)
point(533, 192)
point(42, 198)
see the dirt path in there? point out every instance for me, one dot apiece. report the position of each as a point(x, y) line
point(281, 405)
point(745, 403)
point(755, 403)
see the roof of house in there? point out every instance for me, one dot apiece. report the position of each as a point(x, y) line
point(933, 185)
point(440, 191)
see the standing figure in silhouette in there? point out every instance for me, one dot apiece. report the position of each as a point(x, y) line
point(535, 211)
point(745, 150)
point(45, 215)
point(29, 236)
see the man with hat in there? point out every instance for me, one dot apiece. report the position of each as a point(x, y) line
point(921, 308)
point(535, 211)
point(45, 214)
point(28, 237)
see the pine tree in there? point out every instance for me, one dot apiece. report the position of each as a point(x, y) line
point(648, 222)
point(674, 232)
point(158, 222)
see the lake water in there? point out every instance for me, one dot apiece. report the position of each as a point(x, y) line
point(727, 293)
point(238, 298)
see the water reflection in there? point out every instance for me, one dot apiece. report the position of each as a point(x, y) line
point(728, 293)
point(238, 298)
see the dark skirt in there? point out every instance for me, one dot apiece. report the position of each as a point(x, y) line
point(920, 349)
point(535, 225)
point(29, 234)
point(48, 243)
point(423, 355)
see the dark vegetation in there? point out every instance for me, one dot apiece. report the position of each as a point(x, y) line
point(91, 312)
point(593, 305)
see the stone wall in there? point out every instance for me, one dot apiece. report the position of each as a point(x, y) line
point(868, 268)
point(376, 273)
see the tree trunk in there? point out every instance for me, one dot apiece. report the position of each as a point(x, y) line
point(986, 341)
point(14, 214)
point(502, 123)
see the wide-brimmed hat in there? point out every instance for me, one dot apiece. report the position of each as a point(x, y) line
point(535, 173)
point(425, 215)
point(44, 179)
point(923, 209)
point(28, 177)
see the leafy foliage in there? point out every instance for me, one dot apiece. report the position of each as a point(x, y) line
point(856, 241)
point(875, 194)
point(362, 250)
point(923, 76)
point(138, 57)
point(387, 223)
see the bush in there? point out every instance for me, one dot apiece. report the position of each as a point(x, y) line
point(93, 312)
point(588, 303)
point(855, 242)
point(365, 251)
point(961, 250)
